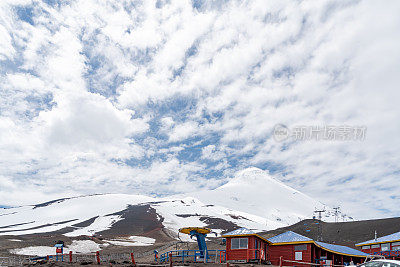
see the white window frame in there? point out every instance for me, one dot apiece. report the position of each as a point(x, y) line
point(385, 247)
point(298, 255)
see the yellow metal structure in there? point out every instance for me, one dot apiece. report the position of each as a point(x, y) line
point(201, 230)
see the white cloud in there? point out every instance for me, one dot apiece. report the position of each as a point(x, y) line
point(131, 97)
point(210, 152)
point(183, 131)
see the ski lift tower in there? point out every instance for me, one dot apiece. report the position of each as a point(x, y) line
point(200, 233)
point(319, 212)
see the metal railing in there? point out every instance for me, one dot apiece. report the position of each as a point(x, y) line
point(212, 255)
point(389, 253)
point(14, 261)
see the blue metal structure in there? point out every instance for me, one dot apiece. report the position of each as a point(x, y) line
point(193, 255)
point(202, 254)
point(200, 233)
point(201, 241)
point(155, 255)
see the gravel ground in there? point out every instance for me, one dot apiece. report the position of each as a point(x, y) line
point(143, 254)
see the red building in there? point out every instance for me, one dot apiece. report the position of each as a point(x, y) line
point(290, 246)
point(388, 246)
point(243, 245)
point(294, 247)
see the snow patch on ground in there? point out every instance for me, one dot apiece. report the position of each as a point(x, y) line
point(34, 251)
point(133, 241)
point(77, 246)
point(142, 240)
point(83, 246)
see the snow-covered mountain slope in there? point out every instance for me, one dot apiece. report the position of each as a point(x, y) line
point(88, 215)
point(257, 192)
point(58, 214)
point(252, 199)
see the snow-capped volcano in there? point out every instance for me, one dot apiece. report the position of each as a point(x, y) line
point(252, 199)
point(256, 191)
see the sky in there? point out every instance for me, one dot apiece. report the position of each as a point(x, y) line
point(165, 97)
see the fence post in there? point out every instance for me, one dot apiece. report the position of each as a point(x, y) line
point(280, 261)
point(170, 260)
point(133, 259)
point(70, 256)
point(98, 257)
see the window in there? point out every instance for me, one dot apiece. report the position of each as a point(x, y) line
point(385, 247)
point(395, 244)
point(365, 247)
point(300, 247)
point(298, 256)
point(396, 248)
point(375, 246)
point(239, 243)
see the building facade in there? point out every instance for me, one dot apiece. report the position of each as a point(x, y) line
point(388, 246)
point(243, 245)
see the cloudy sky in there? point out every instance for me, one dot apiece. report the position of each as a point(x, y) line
point(163, 97)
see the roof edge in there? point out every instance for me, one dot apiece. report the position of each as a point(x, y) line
point(373, 243)
point(292, 243)
point(341, 253)
point(266, 240)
